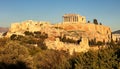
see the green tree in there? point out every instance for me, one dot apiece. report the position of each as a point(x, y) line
point(100, 23)
point(13, 37)
point(88, 21)
point(95, 21)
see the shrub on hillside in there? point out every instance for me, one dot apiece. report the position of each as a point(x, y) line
point(86, 60)
point(101, 59)
point(13, 37)
point(13, 52)
point(42, 36)
point(37, 32)
point(28, 33)
point(4, 34)
point(19, 54)
point(17, 37)
point(67, 40)
point(51, 59)
point(99, 43)
point(92, 42)
point(33, 50)
point(3, 41)
point(42, 46)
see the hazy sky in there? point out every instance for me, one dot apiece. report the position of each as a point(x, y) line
point(105, 11)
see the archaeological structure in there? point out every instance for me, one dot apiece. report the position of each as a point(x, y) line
point(74, 18)
point(74, 27)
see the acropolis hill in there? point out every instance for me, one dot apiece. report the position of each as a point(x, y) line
point(73, 27)
point(71, 22)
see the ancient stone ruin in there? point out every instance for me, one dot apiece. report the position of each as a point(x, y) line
point(74, 18)
point(73, 28)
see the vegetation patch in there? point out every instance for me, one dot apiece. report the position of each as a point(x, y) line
point(18, 54)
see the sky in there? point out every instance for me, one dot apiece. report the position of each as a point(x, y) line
point(105, 11)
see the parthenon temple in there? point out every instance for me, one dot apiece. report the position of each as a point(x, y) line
point(73, 18)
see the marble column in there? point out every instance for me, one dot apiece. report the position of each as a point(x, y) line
point(65, 19)
point(73, 18)
point(77, 19)
point(68, 19)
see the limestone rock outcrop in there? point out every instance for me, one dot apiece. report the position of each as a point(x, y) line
point(29, 25)
point(73, 27)
point(71, 48)
point(90, 30)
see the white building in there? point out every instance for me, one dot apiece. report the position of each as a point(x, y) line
point(116, 37)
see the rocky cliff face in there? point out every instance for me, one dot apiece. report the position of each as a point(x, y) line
point(90, 30)
point(71, 31)
point(71, 48)
point(29, 25)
